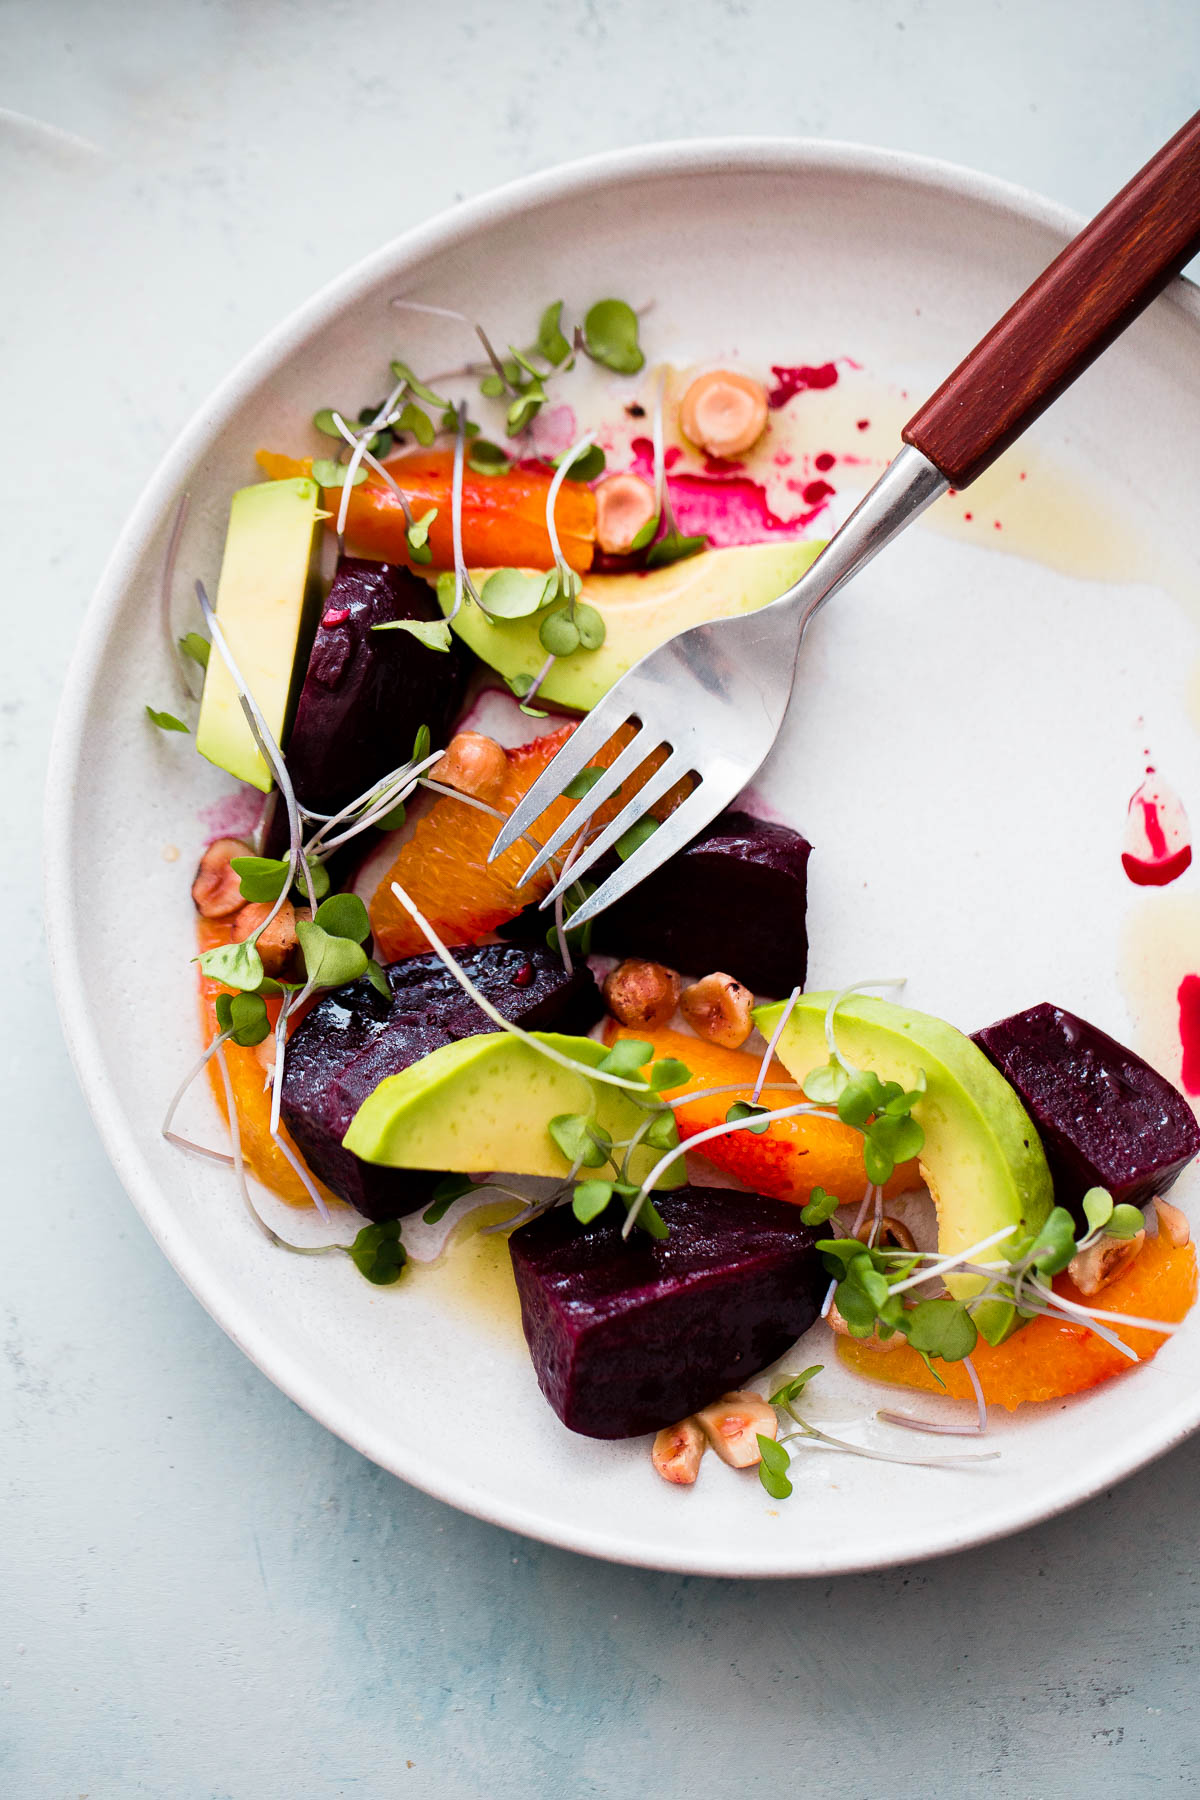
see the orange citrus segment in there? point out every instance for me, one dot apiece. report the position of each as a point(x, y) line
point(247, 1077)
point(793, 1155)
point(1048, 1358)
point(444, 866)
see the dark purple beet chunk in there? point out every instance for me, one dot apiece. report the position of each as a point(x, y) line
point(366, 693)
point(630, 1336)
point(354, 1038)
point(1105, 1117)
point(734, 899)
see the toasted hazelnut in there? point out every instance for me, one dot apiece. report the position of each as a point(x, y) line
point(733, 1425)
point(1093, 1268)
point(624, 504)
point(1173, 1224)
point(277, 942)
point(473, 764)
point(724, 412)
point(892, 1235)
point(677, 1451)
point(874, 1342)
point(216, 890)
point(641, 994)
point(718, 1008)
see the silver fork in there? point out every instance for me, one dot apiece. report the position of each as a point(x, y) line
point(714, 697)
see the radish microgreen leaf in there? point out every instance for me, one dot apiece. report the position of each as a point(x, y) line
point(344, 916)
point(626, 1057)
point(636, 836)
point(773, 1467)
point(244, 1017)
point(378, 1253)
point(167, 721)
point(742, 1109)
point(550, 340)
point(590, 1199)
point(195, 646)
point(610, 336)
point(821, 1207)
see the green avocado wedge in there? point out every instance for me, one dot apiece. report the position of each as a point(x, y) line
point(982, 1159)
point(267, 606)
point(486, 1102)
point(640, 611)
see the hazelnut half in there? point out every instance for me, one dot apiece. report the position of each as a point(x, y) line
point(473, 764)
point(733, 1425)
point(624, 505)
point(718, 1009)
point(216, 890)
point(277, 942)
point(1101, 1263)
point(677, 1451)
point(641, 994)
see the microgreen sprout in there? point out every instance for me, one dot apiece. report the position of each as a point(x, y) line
point(610, 336)
point(166, 721)
point(195, 647)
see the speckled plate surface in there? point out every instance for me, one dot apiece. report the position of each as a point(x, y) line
point(972, 717)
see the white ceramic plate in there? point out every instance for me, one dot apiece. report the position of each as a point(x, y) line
point(968, 729)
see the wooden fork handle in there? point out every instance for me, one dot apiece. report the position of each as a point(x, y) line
point(1102, 280)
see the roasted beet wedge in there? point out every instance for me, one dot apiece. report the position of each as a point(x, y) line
point(354, 1037)
point(1105, 1117)
point(629, 1336)
point(367, 693)
point(734, 900)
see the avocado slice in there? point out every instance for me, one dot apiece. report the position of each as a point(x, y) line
point(485, 1102)
point(267, 603)
point(983, 1161)
point(640, 611)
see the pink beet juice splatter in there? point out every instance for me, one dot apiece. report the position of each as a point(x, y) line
point(1189, 1032)
point(727, 509)
point(1158, 845)
point(790, 382)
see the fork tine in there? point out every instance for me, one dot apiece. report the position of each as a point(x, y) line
point(673, 770)
point(590, 735)
point(671, 836)
point(643, 745)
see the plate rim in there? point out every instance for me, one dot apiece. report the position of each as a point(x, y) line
point(695, 156)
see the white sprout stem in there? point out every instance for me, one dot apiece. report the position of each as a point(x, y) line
point(313, 1192)
point(199, 1150)
point(827, 1303)
point(462, 581)
point(980, 1402)
point(705, 1137)
point(168, 580)
point(661, 500)
point(369, 796)
point(855, 987)
point(360, 443)
point(555, 488)
point(485, 1006)
point(1166, 1326)
point(731, 1087)
point(862, 1211)
point(811, 1433)
point(772, 1043)
point(421, 306)
point(946, 1263)
point(239, 1166)
point(492, 357)
point(196, 1069)
point(538, 679)
point(359, 450)
point(261, 733)
point(942, 1427)
point(388, 794)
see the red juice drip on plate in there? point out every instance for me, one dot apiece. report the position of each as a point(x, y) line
point(1158, 845)
point(790, 382)
point(1189, 1032)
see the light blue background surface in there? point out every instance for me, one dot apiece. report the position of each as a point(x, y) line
point(202, 1594)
